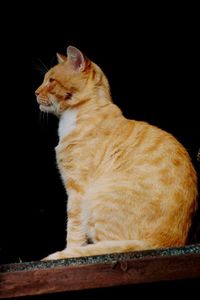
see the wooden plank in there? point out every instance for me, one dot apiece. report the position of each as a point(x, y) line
point(100, 271)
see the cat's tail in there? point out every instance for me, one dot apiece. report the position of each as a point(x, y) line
point(103, 247)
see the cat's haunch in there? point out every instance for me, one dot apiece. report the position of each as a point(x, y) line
point(130, 185)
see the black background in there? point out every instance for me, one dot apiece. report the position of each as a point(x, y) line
point(150, 55)
point(151, 59)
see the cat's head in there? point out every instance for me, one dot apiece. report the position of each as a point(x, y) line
point(70, 83)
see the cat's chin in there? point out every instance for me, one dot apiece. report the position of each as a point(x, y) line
point(47, 109)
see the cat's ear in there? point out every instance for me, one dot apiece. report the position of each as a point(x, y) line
point(61, 58)
point(76, 59)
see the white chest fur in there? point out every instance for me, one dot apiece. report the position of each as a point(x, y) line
point(67, 122)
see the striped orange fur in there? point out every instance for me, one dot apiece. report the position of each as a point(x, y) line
point(130, 185)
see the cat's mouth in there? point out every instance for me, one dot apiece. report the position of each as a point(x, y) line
point(47, 108)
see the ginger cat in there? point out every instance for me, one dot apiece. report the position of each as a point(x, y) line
point(131, 186)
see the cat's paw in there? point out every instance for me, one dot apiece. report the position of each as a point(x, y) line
point(53, 256)
point(58, 255)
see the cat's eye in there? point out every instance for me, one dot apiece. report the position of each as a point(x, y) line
point(68, 96)
point(51, 79)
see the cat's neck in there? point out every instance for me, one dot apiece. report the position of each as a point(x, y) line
point(95, 97)
point(67, 122)
point(90, 114)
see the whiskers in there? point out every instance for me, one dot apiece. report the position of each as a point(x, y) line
point(43, 118)
point(40, 66)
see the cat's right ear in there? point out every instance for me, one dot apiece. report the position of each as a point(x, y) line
point(76, 59)
point(61, 58)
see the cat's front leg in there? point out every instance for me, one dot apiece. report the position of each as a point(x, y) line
point(75, 238)
point(75, 232)
point(75, 235)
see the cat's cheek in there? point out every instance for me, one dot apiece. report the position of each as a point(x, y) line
point(63, 106)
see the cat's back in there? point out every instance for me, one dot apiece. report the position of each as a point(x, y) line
point(158, 147)
point(159, 154)
point(149, 158)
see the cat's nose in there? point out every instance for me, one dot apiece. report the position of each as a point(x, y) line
point(36, 93)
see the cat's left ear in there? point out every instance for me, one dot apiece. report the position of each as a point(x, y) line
point(76, 59)
point(61, 58)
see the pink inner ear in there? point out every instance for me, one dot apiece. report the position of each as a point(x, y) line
point(76, 58)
